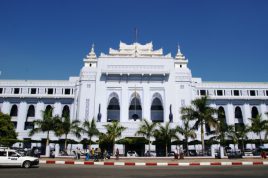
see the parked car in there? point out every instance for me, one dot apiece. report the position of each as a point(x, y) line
point(10, 157)
point(150, 153)
point(234, 154)
point(257, 151)
point(132, 154)
point(248, 152)
point(171, 154)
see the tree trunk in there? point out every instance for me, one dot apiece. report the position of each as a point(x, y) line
point(166, 149)
point(243, 146)
point(202, 138)
point(149, 146)
point(89, 146)
point(260, 139)
point(65, 143)
point(113, 148)
point(187, 150)
point(47, 143)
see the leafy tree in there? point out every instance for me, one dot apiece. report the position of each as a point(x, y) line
point(258, 125)
point(147, 129)
point(90, 129)
point(165, 134)
point(203, 115)
point(8, 134)
point(187, 131)
point(114, 131)
point(47, 124)
point(65, 126)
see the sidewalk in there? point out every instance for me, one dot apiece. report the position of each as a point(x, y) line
point(159, 162)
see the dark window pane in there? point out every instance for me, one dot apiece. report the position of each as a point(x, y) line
point(33, 90)
point(50, 91)
point(219, 92)
point(236, 92)
point(16, 90)
point(67, 91)
point(252, 93)
point(203, 92)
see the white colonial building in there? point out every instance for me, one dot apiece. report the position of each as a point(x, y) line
point(127, 85)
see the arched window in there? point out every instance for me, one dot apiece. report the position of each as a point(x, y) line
point(221, 113)
point(238, 118)
point(65, 112)
point(254, 112)
point(49, 109)
point(113, 110)
point(157, 112)
point(31, 111)
point(14, 111)
point(135, 109)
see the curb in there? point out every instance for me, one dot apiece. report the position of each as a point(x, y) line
point(250, 163)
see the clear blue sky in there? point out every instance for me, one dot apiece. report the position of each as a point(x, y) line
point(224, 40)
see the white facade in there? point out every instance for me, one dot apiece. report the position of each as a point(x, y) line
point(108, 85)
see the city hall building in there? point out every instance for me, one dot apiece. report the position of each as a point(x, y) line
point(128, 85)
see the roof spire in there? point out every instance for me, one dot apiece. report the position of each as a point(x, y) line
point(179, 55)
point(92, 54)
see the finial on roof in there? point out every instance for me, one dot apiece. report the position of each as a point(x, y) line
point(179, 55)
point(92, 54)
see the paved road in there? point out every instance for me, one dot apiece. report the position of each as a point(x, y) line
point(81, 171)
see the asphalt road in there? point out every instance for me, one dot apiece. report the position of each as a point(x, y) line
point(83, 171)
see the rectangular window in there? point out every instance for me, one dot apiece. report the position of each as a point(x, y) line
point(182, 103)
point(1, 90)
point(236, 93)
point(3, 153)
point(252, 93)
point(203, 92)
point(67, 91)
point(219, 93)
point(50, 91)
point(266, 92)
point(16, 90)
point(33, 90)
point(181, 86)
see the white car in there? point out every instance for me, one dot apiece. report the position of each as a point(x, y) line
point(132, 154)
point(150, 153)
point(10, 157)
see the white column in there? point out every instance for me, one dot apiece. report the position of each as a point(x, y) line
point(22, 113)
point(124, 104)
point(246, 113)
point(40, 108)
point(72, 112)
point(263, 111)
point(57, 109)
point(6, 107)
point(229, 112)
point(146, 108)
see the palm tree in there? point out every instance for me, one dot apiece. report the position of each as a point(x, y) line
point(242, 132)
point(234, 136)
point(147, 129)
point(90, 128)
point(47, 124)
point(187, 131)
point(203, 115)
point(165, 134)
point(258, 125)
point(222, 134)
point(65, 126)
point(114, 131)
